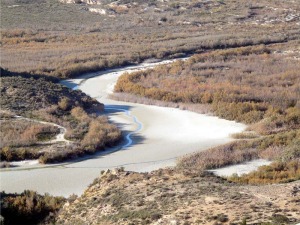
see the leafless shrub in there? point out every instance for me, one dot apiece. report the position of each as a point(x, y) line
point(245, 135)
point(16, 133)
point(217, 157)
point(272, 152)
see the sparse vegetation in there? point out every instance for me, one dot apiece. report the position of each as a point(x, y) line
point(169, 196)
point(16, 133)
point(217, 157)
point(275, 173)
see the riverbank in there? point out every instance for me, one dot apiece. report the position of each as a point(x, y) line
point(166, 134)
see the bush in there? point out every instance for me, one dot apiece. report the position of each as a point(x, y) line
point(64, 104)
point(277, 172)
point(29, 207)
point(220, 156)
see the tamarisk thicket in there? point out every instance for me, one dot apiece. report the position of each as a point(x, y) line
point(257, 85)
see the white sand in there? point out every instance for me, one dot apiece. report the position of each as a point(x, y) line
point(24, 163)
point(240, 169)
point(158, 134)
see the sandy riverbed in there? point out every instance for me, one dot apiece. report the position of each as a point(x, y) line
point(162, 134)
point(240, 169)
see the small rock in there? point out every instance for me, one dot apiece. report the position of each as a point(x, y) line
point(66, 205)
point(173, 222)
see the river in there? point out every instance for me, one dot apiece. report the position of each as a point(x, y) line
point(155, 138)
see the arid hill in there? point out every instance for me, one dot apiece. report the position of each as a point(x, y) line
point(179, 197)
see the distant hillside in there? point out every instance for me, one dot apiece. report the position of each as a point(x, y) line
point(65, 40)
point(49, 109)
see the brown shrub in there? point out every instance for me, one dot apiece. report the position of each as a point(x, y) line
point(20, 132)
point(224, 155)
point(277, 172)
point(100, 134)
point(64, 104)
point(79, 114)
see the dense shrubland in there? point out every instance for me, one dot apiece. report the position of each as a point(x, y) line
point(17, 133)
point(253, 85)
point(42, 100)
point(245, 84)
point(65, 40)
point(89, 133)
point(274, 173)
point(29, 208)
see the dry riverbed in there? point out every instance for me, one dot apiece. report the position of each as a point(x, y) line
point(158, 135)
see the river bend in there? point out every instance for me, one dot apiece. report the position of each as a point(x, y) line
point(155, 138)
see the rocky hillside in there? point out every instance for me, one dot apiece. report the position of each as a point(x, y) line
point(179, 197)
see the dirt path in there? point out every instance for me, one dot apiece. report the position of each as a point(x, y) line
point(58, 138)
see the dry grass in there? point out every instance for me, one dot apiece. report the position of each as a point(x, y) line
point(228, 80)
point(16, 133)
point(283, 148)
point(277, 172)
point(220, 156)
point(89, 133)
point(127, 97)
point(65, 40)
point(245, 135)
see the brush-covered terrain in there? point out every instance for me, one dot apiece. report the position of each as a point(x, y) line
point(44, 120)
point(64, 40)
point(245, 67)
point(256, 85)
